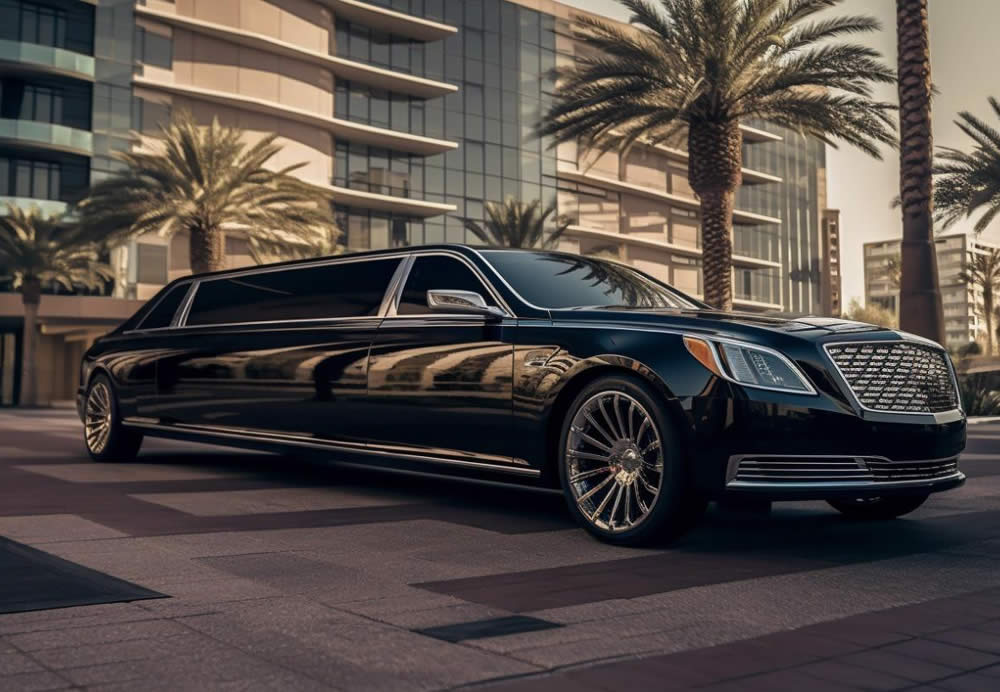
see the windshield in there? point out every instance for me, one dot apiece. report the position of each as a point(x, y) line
point(567, 281)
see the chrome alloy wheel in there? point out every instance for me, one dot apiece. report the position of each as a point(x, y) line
point(97, 423)
point(614, 459)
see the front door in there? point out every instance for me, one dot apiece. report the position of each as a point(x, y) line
point(441, 384)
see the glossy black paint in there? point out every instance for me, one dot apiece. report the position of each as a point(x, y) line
point(487, 395)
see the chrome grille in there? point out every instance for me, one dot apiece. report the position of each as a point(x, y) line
point(901, 377)
point(771, 470)
point(888, 471)
point(802, 470)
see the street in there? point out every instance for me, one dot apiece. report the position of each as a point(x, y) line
point(278, 573)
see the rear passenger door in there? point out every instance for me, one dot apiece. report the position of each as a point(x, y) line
point(441, 384)
point(280, 351)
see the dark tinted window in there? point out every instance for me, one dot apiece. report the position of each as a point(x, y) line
point(568, 281)
point(352, 289)
point(163, 312)
point(438, 272)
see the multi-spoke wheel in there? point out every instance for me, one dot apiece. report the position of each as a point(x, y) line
point(878, 508)
point(619, 466)
point(105, 436)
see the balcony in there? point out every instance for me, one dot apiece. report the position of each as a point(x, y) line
point(31, 57)
point(342, 68)
point(363, 199)
point(48, 207)
point(388, 20)
point(340, 128)
point(738, 260)
point(739, 217)
point(30, 134)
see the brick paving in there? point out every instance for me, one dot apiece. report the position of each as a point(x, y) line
point(287, 573)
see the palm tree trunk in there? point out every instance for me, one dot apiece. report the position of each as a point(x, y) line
point(920, 309)
point(988, 309)
point(207, 246)
point(714, 170)
point(31, 294)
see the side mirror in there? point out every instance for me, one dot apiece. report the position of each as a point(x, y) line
point(462, 302)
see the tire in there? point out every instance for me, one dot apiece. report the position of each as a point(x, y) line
point(103, 433)
point(878, 508)
point(619, 420)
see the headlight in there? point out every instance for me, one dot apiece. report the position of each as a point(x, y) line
point(753, 366)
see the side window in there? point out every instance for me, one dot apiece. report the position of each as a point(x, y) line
point(350, 289)
point(437, 272)
point(163, 312)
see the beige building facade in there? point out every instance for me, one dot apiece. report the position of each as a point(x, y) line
point(412, 113)
point(963, 304)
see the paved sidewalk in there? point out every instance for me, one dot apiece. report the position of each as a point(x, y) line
point(284, 573)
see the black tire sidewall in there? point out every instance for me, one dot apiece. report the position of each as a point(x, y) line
point(122, 444)
point(666, 519)
point(889, 507)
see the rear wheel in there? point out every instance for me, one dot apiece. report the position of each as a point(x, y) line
point(105, 436)
point(620, 465)
point(878, 507)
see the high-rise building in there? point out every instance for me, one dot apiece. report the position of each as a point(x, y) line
point(413, 113)
point(830, 278)
point(963, 304)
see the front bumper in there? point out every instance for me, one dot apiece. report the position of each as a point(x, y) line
point(822, 477)
point(781, 447)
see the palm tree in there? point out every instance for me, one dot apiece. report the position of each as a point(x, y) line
point(920, 309)
point(516, 224)
point(206, 180)
point(703, 66)
point(983, 271)
point(36, 250)
point(969, 182)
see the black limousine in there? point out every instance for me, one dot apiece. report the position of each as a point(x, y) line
point(641, 403)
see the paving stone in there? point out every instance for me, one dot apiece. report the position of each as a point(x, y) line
point(899, 665)
point(33, 682)
point(854, 676)
point(95, 634)
point(970, 638)
point(968, 682)
point(942, 653)
point(12, 663)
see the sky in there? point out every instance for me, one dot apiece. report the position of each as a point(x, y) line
point(964, 58)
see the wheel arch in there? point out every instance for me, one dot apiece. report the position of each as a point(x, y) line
point(589, 371)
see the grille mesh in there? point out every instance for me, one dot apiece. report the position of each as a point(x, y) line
point(902, 377)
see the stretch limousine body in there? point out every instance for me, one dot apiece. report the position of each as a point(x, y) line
point(640, 402)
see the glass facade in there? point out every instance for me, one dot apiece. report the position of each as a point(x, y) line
point(797, 242)
point(66, 24)
point(500, 59)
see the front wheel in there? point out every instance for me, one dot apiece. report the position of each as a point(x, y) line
point(878, 507)
point(620, 465)
point(105, 436)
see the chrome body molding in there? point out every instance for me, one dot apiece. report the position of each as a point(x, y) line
point(475, 461)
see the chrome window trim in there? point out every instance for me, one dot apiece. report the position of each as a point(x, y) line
point(392, 293)
point(512, 465)
point(182, 323)
point(177, 312)
point(921, 342)
point(414, 256)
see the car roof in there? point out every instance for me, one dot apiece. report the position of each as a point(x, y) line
point(466, 250)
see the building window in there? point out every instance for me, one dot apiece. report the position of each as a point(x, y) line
point(154, 49)
point(151, 263)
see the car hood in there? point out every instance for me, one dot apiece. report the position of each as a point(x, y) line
point(719, 322)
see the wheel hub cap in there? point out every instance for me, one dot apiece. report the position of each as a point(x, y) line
point(614, 461)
